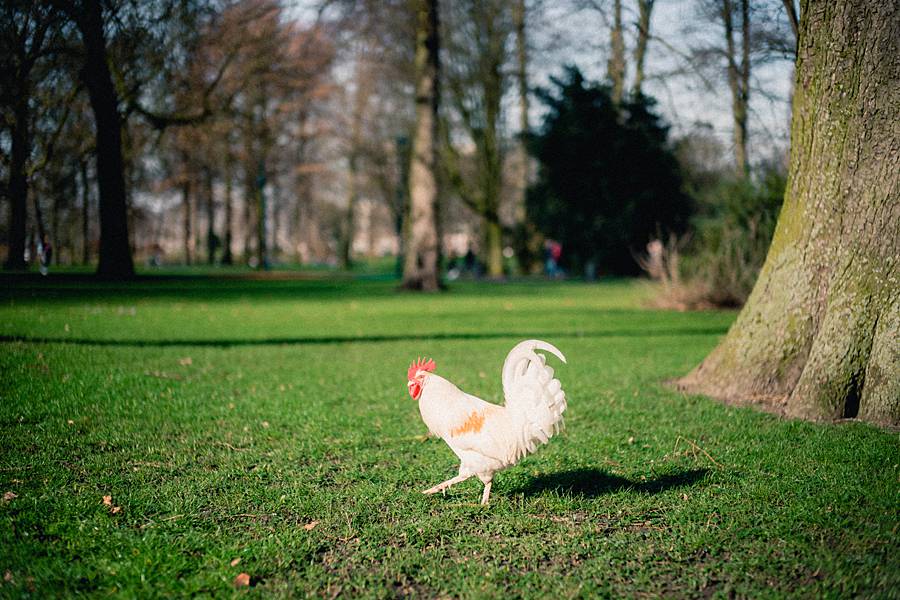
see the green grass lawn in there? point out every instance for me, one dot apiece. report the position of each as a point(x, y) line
point(263, 427)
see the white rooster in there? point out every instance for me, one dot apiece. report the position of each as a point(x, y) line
point(487, 437)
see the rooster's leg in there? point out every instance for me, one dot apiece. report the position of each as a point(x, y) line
point(445, 484)
point(487, 491)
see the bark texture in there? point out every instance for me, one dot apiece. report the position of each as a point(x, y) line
point(820, 333)
point(420, 269)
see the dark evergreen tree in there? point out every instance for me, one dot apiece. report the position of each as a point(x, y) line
point(608, 181)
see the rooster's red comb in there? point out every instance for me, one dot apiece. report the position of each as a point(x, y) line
point(420, 365)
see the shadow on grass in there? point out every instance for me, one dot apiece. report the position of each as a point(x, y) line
point(312, 340)
point(591, 483)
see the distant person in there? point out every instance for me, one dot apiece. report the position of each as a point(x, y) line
point(455, 267)
point(469, 261)
point(552, 257)
point(156, 254)
point(45, 254)
point(30, 249)
point(48, 250)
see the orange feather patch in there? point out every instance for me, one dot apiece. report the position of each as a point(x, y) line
point(472, 425)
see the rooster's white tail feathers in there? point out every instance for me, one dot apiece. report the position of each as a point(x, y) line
point(533, 394)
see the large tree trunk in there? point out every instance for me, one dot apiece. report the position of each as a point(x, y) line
point(17, 186)
point(420, 270)
point(115, 252)
point(820, 330)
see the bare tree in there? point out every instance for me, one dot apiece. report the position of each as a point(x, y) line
point(420, 269)
point(645, 12)
point(477, 83)
point(615, 67)
point(30, 33)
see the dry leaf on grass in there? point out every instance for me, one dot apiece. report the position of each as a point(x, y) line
point(310, 525)
point(186, 361)
point(236, 562)
point(9, 496)
point(107, 501)
point(242, 580)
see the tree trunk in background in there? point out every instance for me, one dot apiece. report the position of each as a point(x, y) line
point(645, 11)
point(420, 270)
point(262, 245)
point(493, 243)
point(17, 186)
point(211, 241)
point(188, 219)
point(794, 20)
point(275, 203)
point(738, 80)
point(249, 204)
point(360, 100)
point(346, 252)
point(615, 68)
point(85, 214)
point(59, 194)
point(115, 251)
point(820, 330)
point(492, 154)
point(523, 233)
point(227, 256)
point(522, 81)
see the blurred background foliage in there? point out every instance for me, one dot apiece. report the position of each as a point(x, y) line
point(257, 134)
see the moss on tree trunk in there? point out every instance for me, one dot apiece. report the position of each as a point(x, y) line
point(820, 331)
